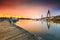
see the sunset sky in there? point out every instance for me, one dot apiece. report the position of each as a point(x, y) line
point(29, 8)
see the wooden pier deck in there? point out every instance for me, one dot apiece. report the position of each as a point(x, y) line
point(13, 32)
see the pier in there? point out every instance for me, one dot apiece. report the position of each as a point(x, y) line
point(13, 32)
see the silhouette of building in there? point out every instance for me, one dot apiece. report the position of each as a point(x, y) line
point(48, 14)
point(41, 16)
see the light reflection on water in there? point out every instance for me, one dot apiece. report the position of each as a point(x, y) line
point(45, 29)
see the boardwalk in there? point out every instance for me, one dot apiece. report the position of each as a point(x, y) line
point(13, 32)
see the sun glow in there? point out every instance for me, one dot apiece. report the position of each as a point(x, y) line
point(8, 15)
point(25, 11)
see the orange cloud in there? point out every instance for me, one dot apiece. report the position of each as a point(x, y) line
point(32, 11)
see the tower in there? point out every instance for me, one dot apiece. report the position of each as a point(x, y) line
point(48, 14)
point(41, 16)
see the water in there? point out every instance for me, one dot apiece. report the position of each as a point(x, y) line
point(44, 29)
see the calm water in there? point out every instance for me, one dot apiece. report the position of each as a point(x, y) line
point(44, 29)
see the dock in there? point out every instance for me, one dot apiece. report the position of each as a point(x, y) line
point(13, 32)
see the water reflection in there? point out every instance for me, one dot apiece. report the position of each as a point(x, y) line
point(45, 29)
point(48, 24)
point(41, 21)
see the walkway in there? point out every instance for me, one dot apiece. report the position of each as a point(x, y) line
point(13, 32)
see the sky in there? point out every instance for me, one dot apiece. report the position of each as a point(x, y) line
point(29, 8)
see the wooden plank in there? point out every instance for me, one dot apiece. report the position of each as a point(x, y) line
point(12, 32)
